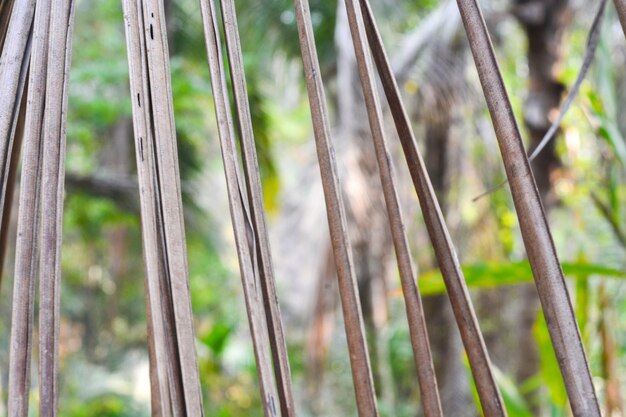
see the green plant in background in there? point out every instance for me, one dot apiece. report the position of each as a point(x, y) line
point(105, 406)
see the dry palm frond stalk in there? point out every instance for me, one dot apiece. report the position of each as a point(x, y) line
point(5, 16)
point(247, 212)
point(165, 374)
point(16, 23)
point(471, 335)
point(6, 7)
point(12, 171)
point(175, 379)
point(257, 210)
point(28, 220)
point(551, 286)
point(335, 210)
point(414, 310)
point(52, 193)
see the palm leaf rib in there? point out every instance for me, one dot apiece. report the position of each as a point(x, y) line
point(335, 210)
point(6, 6)
point(17, 28)
point(415, 313)
point(551, 286)
point(170, 202)
point(174, 367)
point(12, 172)
point(257, 210)
point(52, 193)
point(471, 335)
point(27, 240)
point(245, 234)
point(165, 368)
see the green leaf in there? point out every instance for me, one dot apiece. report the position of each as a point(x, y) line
point(609, 131)
point(549, 368)
point(514, 401)
point(491, 275)
point(217, 338)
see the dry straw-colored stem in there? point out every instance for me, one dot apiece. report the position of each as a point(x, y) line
point(167, 386)
point(175, 379)
point(16, 22)
point(28, 221)
point(52, 193)
point(413, 302)
point(5, 16)
point(353, 318)
point(170, 202)
point(542, 255)
point(6, 7)
point(257, 210)
point(489, 394)
point(245, 234)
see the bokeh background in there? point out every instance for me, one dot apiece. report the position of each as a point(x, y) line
point(540, 45)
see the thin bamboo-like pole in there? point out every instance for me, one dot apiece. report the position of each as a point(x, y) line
point(52, 193)
point(257, 210)
point(542, 255)
point(353, 318)
point(242, 224)
point(443, 246)
point(28, 220)
point(413, 302)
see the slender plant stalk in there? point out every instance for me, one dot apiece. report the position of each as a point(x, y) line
point(353, 317)
point(168, 397)
point(5, 14)
point(14, 163)
point(413, 302)
point(23, 284)
point(471, 335)
point(16, 22)
point(163, 404)
point(28, 221)
point(257, 210)
point(542, 255)
point(243, 229)
point(174, 367)
point(52, 193)
point(14, 62)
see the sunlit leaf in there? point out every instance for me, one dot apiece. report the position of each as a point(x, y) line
point(492, 275)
